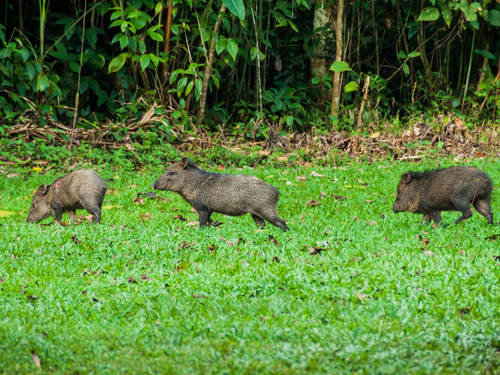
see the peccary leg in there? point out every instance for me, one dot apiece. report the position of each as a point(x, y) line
point(213, 222)
point(483, 207)
point(58, 212)
point(94, 210)
point(203, 217)
point(464, 209)
point(258, 220)
point(71, 217)
point(436, 216)
point(426, 219)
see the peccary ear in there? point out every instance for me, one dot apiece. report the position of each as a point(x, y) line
point(42, 190)
point(58, 183)
point(184, 163)
point(406, 178)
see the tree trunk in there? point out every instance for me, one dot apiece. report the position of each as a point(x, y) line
point(319, 61)
point(485, 70)
point(338, 57)
point(208, 69)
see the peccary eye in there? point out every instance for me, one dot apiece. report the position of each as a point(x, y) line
point(171, 173)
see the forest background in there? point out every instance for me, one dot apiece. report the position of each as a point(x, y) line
point(134, 73)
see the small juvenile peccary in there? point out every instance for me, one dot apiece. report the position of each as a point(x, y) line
point(79, 189)
point(232, 195)
point(450, 189)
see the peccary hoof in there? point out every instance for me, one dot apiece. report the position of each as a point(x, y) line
point(215, 223)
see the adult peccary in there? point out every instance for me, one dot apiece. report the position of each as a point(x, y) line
point(79, 189)
point(450, 189)
point(232, 195)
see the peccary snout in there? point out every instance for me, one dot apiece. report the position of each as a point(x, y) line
point(81, 189)
point(450, 189)
point(232, 195)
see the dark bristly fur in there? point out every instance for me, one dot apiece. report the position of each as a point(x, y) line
point(232, 195)
point(81, 189)
point(449, 189)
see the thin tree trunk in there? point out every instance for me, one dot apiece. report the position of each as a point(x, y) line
point(338, 57)
point(374, 24)
point(168, 29)
point(485, 69)
point(208, 69)
point(366, 89)
point(319, 62)
point(259, 81)
point(21, 22)
point(423, 54)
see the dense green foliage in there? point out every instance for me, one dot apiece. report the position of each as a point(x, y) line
point(122, 56)
point(387, 295)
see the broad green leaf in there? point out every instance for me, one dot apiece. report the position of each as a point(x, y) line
point(156, 36)
point(42, 82)
point(199, 86)
point(116, 38)
point(429, 14)
point(253, 53)
point(142, 46)
point(414, 54)
point(406, 68)
point(117, 63)
point(91, 36)
point(103, 96)
point(455, 103)
point(216, 81)
point(25, 54)
point(30, 69)
point(155, 60)
point(123, 41)
point(412, 29)
point(351, 86)
point(115, 15)
point(132, 42)
point(181, 84)
point(485, 54)
point(315, 80)
point(115, 23)
point(174, 75)
point(402, 54)
point(124, 25)
point(340, 66)
point(189, 87)
point(232, 48)
point(74, 66)
point(237, 7)
point(145, 60)
point(69, 30)
point(220, 45)
point(158, 8)
point(447, 15)
point(84, 84)
point(494, 17)
point(97, 60)
point(293, 26)
point(6, 52)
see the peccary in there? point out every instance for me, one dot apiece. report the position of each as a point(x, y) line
point(232, 195)
point(79, 189)
point(450, 189)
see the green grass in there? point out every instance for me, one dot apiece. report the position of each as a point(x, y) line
point(372, 302)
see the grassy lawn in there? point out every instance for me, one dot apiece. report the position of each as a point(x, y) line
point(152, 294)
